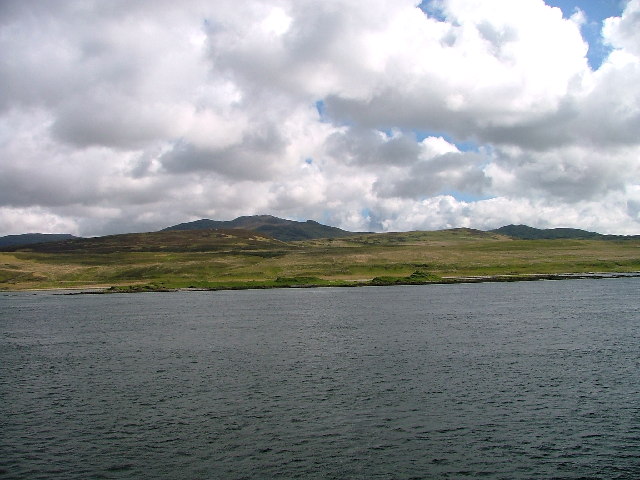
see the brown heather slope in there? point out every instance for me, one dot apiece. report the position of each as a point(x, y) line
point(174, 241)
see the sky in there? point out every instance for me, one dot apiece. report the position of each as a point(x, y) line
point(385, 115)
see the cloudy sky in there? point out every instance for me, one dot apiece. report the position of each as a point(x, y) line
point(384, 115)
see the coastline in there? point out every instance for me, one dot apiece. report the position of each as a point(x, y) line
point(375, 282)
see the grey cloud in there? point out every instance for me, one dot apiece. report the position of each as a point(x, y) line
point(538, 132)
point(606, 116)
point(254, 158)
point(109, 120)
point(428, 112)
point(102, 81)
point(365, 147)
point(323, 41)
point(633, 209)
point(566, 174)
point(63, 185)
point(46, 55)
point(32, 65)
point(453, 171)
point(610, 115)
point(571, 184)
point(424, 110)
point(185, 157)
point(24, 186)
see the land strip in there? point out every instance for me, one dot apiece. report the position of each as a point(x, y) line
point(213, 260)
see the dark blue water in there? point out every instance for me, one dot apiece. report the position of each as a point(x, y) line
point(535, 380)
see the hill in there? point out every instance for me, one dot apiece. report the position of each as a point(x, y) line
point(278, 228)
point(32, 238)
point(524, 232)
point(241, 241)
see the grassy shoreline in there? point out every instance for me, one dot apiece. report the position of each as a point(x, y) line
point(376, 282)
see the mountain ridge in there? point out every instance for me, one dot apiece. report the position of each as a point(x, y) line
point(292, 230)
point(163, 241)
point(33, 238)
point(525, 232)
point(278, 228)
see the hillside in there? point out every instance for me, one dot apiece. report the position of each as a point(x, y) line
point(524, 232)
point(235, 258)
point(31, 238)
point(165, 241)
point(278, 228)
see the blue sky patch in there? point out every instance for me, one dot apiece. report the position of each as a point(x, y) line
point(596, 12)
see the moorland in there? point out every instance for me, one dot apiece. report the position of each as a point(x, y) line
point(241, 258)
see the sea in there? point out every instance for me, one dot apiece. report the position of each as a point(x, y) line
point(523, 380)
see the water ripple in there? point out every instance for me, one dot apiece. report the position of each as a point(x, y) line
point(502, 381)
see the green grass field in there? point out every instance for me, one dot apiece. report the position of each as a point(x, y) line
point(211, 259)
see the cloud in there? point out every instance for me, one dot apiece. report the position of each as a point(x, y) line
point(622, 32)
point(251, 158)
point(36, 220)
point(476, 71)
point(461, 172)
point(126, 117)
point(570, 174)
point(362, 147)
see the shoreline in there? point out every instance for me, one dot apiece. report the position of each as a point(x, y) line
point(296, 283)
point(375, 282)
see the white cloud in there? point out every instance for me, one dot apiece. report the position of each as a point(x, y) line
point(117, 116)
point(623, 32)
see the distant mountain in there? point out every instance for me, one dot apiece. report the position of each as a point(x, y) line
point(241, 241)
point(278, 228)
point(33, 238)
point(244, 232)
point(524, 232)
